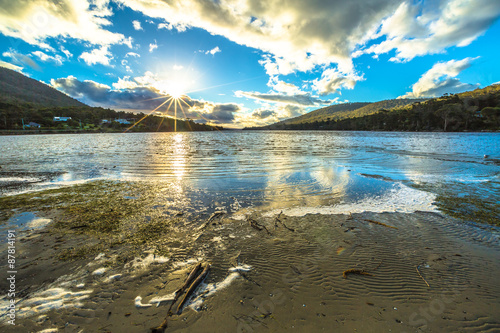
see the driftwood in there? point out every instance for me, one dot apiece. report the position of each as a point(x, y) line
point(212, 217)
point(359, 271)
point(256, 225)
point(355, 271)
point(422, 276)
point(195, 274)
point(193, 286)
point(380, 223)
point(282, 223)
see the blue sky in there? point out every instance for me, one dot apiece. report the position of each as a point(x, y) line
point(245, 62)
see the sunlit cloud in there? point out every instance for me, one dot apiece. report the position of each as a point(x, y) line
point(57, 59)
point(300, 99)
point(20, 60)
point(213, 51)
point(418, 28)
point(101, 56)
point(332, 81)
point(137, 25)
point(153, 46)
point(11, 66)
point(36, 21)
point(441, 78)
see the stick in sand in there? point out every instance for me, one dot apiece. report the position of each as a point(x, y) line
point(422, 276)
point(193, 287)
point(380, 223)
point(190, 278)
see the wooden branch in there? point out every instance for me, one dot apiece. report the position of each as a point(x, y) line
point(422, 276)
point(380, 223)
point(256, 225)
point(193, 287)
point(355, 271)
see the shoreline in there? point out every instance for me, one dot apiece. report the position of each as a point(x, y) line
point(101, 275)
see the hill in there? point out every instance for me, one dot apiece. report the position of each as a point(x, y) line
point(341, 111)
point(18, 88)
point(24, 101)
point(469, 111)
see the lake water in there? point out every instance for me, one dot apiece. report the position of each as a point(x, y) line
point(300, 172)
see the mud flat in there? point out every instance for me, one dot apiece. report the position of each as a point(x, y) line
point(377, 272)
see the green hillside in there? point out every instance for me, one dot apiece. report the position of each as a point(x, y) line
point(24, 101)
point(342, 111)
point(17, 88)
point(475, 110)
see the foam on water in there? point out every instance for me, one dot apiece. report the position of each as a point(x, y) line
point(206, 290)
point(400, 199)
point(46, 300)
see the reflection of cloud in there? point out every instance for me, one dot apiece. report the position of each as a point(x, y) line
point(441, 79)
point(302, 99)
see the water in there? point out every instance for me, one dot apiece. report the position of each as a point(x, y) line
point(299, 171)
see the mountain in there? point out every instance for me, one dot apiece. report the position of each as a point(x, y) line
point(342, 111)
point(475, 110)
point(16, 88)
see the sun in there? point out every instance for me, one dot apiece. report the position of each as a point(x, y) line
point(176, 92)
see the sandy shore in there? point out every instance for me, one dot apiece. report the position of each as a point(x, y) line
point(427, 273)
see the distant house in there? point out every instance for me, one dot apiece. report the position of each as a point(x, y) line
point(123, 121)
point(33, 125)
point(61, 119)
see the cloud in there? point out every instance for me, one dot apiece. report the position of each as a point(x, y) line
point(298, 36)
point(332, 80)
point(11, 66)
point(177, 67)
point(152, 47)
point(66, 52)
point(36, 21)
point(137, 25)
point(97, 56)
point(213, 51)
point(20, 59)
point(299, 99)
point(57, 59)
point(419, 28)
point(132, 54)
point(269, 114)
point(140, 94)
point(440, 79)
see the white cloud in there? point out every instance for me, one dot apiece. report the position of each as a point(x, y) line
point(21, 60)
point(137, 25)
point(35, 21)
point(332, 80)
point(97, 56)
point(440, 79)
point(132, 54)
point(11, 66)
point(419, 28)
point(177, 67)
point(153, 46)
point(299, 99)
point(269, 114)
point(213, 51)
point(66, 52)
point(57, 59)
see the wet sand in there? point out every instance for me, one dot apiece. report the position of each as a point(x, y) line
point(283, 281)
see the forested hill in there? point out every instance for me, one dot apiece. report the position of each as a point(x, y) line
point(17, 88)
point(29, 106)
point(469, 111)
point(342, 111)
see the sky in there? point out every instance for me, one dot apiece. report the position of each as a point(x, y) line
point(239, 63)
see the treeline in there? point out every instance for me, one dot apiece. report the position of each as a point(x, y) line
point(472, 111)
point(12, 117)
